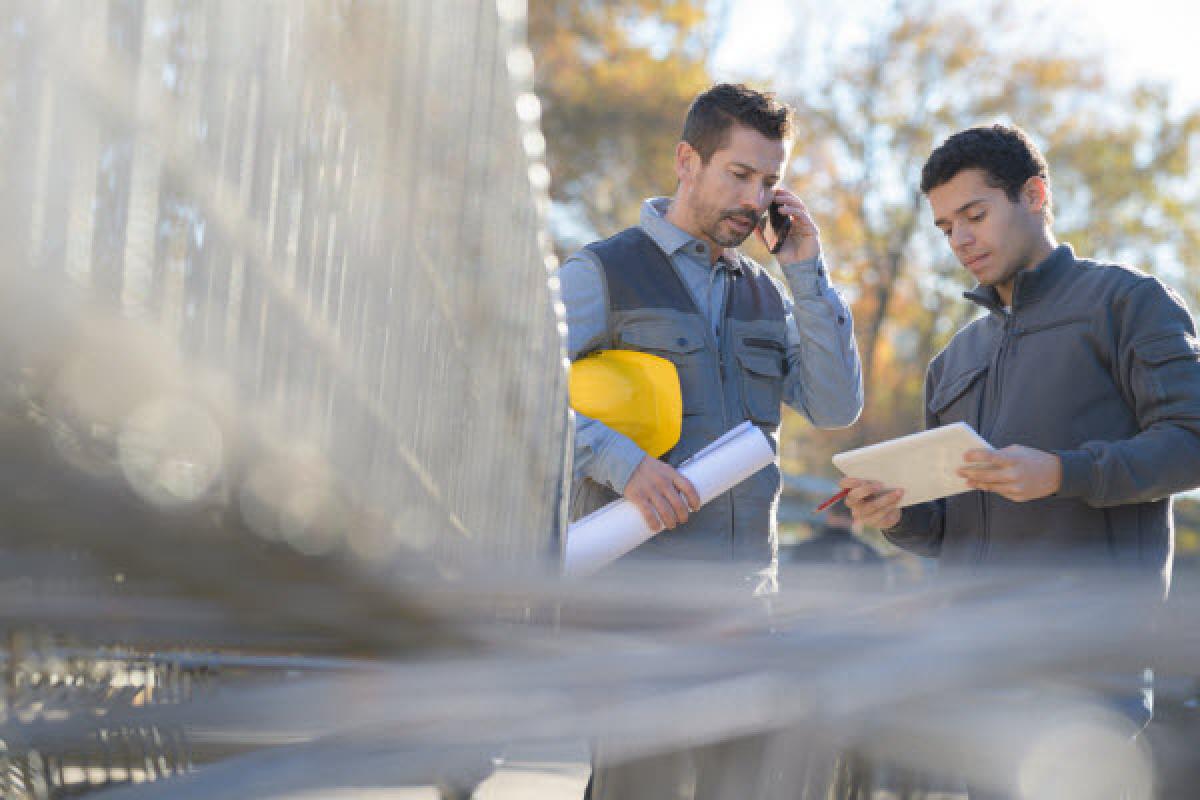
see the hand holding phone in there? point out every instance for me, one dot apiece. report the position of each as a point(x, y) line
point(787, 229)
point(775, 228)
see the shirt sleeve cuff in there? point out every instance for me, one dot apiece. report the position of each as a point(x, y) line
point(1076, 472)
point(621, 458)
point(807, 278)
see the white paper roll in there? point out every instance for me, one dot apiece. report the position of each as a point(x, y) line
point(612, 531)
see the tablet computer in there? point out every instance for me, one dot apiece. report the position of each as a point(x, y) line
point(923, 464)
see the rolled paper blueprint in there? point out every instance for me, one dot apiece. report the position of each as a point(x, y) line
point(612, 531)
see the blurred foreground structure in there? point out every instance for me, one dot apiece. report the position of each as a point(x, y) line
point(275, 334)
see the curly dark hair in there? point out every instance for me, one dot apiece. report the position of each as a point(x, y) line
point(714, 111)
point(1006, 155)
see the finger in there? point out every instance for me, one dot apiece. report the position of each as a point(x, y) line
point(860, 498)
point(801, 220)
point(880, 504)
point(887, 500)
point(689, 492)
point(860, 485)
point(864, 491)
point(648, 513)
point(1000, 474)
point(794, 206)
point(884, 510)
point(999, 487)
point(663, 508)
point(671, 496)
point(980, 472)
point(984, 457)
point(786, 197)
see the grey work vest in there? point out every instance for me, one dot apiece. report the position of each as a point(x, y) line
point(725, 379)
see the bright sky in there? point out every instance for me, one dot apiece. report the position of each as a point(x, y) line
point(1153, 39)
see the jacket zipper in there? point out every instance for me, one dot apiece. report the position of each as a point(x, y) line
point(983, 503)
point(986, 425)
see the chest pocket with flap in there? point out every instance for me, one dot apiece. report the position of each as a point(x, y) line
point(958, 399)
point(682, 346)
point(761, 374)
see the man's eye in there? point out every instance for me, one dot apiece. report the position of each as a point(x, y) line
point(741, 176)
point(977, 217)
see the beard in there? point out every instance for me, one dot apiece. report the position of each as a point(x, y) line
point(717, 231)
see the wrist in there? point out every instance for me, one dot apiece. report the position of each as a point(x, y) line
point(808, 277)
point(1075, 468)
point(1056, 473)
point(802, 254)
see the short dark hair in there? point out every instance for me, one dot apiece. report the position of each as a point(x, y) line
point(714, 111)
point(1006, 155)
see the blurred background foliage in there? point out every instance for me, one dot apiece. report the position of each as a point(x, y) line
point(615, 79)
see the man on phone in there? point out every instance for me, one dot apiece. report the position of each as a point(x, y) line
point(676, 287)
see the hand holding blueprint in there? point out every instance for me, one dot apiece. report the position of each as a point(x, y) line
point(612, 531)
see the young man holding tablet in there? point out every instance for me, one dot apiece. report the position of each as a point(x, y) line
point(1083, 375)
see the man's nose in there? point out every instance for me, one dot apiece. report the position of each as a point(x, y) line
point(961, 236)
point(757, 199)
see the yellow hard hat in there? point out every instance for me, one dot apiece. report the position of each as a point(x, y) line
point(632, 392)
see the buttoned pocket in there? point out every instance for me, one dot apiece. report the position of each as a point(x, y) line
point(762, 386)
point(664, 337)
point(957, 399)
point(682, 346)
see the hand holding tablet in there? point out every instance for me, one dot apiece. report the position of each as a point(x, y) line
point(925, 465)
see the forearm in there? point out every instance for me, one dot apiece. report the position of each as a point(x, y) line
point(1156, 463)
point(824, 376)
point(604, 455)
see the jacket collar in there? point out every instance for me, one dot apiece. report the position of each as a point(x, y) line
point(1030, 285)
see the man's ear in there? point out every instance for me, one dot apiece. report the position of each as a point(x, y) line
point(1036, 194)
point(687, 162)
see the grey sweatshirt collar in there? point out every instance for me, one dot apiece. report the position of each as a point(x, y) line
point(1030, 285)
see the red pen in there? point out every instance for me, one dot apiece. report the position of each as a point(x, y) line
point(833, 499)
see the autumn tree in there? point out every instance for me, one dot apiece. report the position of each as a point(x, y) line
point(615, 78)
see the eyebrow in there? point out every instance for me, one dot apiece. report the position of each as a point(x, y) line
point(752, 168)
point(941, 221)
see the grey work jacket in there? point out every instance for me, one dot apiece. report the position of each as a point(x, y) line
point(1096, 363)
point(724, 379)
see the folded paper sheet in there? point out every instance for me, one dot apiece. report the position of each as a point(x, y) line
point(612, 531)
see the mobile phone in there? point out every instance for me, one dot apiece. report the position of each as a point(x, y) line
point(776, 226)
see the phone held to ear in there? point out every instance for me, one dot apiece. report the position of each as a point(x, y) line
point(775, 227)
